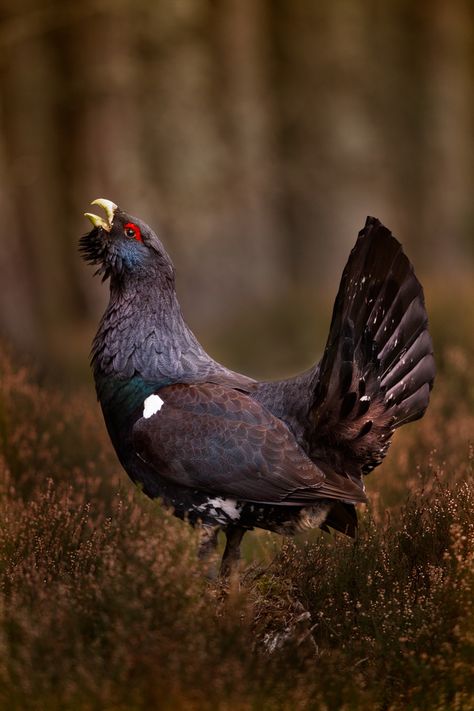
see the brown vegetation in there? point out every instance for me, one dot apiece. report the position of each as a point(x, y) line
point(104, 603)
point(256, 137)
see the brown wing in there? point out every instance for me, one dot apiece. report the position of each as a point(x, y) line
point(213, 438)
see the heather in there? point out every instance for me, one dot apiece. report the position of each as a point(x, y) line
point(104, 604)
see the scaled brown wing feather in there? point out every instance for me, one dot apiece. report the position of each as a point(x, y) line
point(214, 438)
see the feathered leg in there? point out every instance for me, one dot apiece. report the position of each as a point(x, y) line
point(207, 540)
point(231, 557)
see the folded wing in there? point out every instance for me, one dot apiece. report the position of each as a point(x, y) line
point(219, 440)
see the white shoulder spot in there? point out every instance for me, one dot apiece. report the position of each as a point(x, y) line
point(152, 405)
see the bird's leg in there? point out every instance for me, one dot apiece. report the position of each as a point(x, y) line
point(207, 546)
point(207, 540)
point(231, 557)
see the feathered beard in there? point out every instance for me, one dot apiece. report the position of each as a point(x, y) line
point(97, 249)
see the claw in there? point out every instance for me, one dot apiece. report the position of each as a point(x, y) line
point(109, 207)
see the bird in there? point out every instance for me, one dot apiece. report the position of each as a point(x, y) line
point(226, 452)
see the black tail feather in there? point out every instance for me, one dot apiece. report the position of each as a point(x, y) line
point(378, 367)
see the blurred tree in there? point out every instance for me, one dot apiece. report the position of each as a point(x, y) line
point(256, 135)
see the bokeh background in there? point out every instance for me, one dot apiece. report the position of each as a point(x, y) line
point(255, 136)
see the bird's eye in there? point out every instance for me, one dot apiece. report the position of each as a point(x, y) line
point(132, 231)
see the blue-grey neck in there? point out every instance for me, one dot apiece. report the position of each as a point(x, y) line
point(143, 336)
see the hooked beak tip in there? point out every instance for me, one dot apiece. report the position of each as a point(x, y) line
point(97, 221)
point(109, 207)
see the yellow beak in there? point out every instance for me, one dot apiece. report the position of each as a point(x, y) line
point(109, 207)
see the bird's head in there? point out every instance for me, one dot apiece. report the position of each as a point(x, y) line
point(123, 246)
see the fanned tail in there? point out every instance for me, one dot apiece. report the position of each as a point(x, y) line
point(378, 367)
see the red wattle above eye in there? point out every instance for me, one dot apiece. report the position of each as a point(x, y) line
point(135, 229)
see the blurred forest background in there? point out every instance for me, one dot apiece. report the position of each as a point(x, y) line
point(255, 136)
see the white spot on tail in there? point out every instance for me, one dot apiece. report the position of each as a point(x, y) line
point(152, 405)
point(364, 398)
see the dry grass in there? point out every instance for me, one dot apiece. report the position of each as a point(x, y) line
point(104, 604)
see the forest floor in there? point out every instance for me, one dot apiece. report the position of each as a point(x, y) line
point(104, 604)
